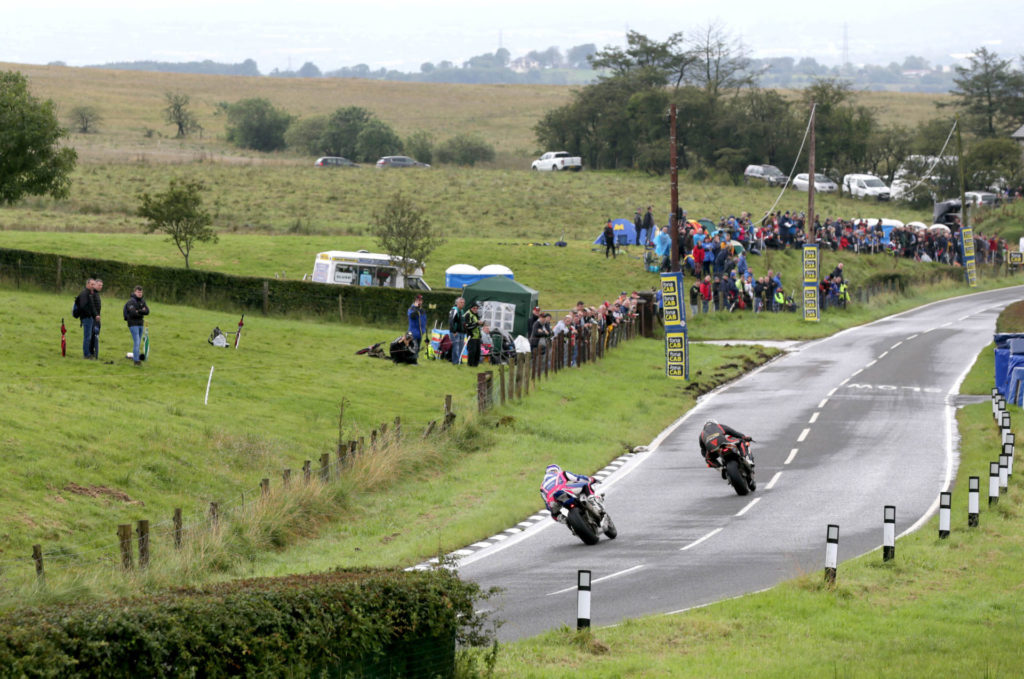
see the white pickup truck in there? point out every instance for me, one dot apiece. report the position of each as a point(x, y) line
point(557, 161)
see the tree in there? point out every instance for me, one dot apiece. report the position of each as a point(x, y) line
point(32, 162)
point(307, 135)
point(403, 231)
point(377, 139)
point(989, 93)
point(420, 145)
point(179, 213)
point(85, 119)
point(177, 113)
point(465, 149)
point(309, 70)
point(993, 162)
point(257, 124)
point(579, 56)
point(342, 131)
point(649, 61)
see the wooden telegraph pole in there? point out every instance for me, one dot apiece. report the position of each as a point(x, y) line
point(673, 225)
point(810, 175)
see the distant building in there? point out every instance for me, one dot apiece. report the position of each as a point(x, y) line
point(1018, 136)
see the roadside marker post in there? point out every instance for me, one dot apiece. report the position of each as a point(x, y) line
point(1008, 451)
point(582, 599)
point(973, 500)
point(945, 503)
point(831, 553)
point(993, 483)
point(889, 533)
point(1004, 478)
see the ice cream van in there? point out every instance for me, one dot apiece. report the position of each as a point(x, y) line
point(338, 267)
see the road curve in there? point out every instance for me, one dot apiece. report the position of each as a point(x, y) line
point(843, 426)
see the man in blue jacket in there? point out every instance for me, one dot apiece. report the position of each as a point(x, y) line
point(417, 322)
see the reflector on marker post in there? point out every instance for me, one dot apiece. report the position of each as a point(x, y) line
point(831, 553)
point(582, 599)
point(945, 503)
point(1004, 478)
point(1008, 451)
point(1005, 421)
point(973, 500)
point(993, 483)
point(889, 533)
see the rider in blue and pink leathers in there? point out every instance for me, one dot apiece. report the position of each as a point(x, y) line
point(559, 484)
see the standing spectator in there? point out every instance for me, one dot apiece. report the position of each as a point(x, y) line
point(638, 226)
point(705, 294)
point(663, 248)
point(649, 223)
point(694, 299)
point(135, 309)
point(471, 325)
point(417, 322)
point(456, 329)
point(609, 239)
point(88, 306)
point(540, 333)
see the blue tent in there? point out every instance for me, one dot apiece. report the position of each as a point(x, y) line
point(1007, 346)
point(625, 233)
point(1015, 385)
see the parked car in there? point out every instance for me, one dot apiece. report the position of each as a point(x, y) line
point(865, 186)
point(557, 161)
point(399, 161)
point(334, 161)
point(981, 198)
point(822, 184)
point(767, 173)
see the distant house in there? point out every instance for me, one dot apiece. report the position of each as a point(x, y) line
point(1018, 136)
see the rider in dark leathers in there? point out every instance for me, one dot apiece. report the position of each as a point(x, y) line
point(713, 436)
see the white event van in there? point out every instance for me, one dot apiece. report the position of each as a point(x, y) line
point(338, 267)
point(865, 186)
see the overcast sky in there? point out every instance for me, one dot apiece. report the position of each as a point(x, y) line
point(402, 34)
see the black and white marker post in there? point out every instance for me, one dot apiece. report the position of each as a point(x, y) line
point(582, 599)
point(973, 500)
point(1008, 450)
point(889, 533)
point(831, 553)
point(1004, 472)
point(945, 503)
point(1004, 423)
point(993, 483)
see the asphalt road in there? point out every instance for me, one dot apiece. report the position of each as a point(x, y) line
point(843, 426)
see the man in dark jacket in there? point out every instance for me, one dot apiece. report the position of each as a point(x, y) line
point(417, 322)
point(89, 305)
point(455, 327)
point(471, 324)
point(135, 311)
point(649, 224)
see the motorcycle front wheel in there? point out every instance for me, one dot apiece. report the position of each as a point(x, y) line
point(735, 476)
point(581, 527)
point(610, 531)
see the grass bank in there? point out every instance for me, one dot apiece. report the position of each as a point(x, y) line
point(941, 608)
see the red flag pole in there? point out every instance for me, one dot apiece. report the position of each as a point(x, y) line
point(238, 334)
point(63, 339)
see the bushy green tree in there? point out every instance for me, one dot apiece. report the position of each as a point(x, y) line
point(257, 124)
point(32, 161)
point(991, 162)
point(404, 231)
point(465, 149)
point(990, 94)
point(342, 131)
point(420, 145)
point(377, 139)
point(179, 213)
point(306, 135)
point(178, 113)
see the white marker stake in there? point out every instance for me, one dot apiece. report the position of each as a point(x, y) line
point(831, 553)
point(582, 599)
point(1004, 476)
point(973, 500)
point(945, 503)
point(993, 483)
point(889, 533)
point(207, 397)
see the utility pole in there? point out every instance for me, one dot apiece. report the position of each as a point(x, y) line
point(673, 224)
point(960, 163)
point(810, 176)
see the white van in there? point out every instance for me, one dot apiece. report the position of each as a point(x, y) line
point(865, 186)
point(338, 267)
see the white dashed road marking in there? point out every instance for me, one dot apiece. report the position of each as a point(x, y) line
point(700, 540)
point(792, 454)
point(749, 505)
point(771, 484)
point(803, 435)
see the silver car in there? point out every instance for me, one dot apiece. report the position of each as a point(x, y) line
point(399, 161)
point(822, 184)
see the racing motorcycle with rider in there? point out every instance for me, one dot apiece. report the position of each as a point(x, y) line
point(728, 449)
point(573, 500)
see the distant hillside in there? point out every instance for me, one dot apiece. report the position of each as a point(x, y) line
point(207, 67)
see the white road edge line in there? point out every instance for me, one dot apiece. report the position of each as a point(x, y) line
point(771, 484)
point(792, 454)
point(814, 418)
point(882, 355)
point(803, 435)
point(868, 365)
point(607, 577)
point(822, 404)
point(834, 389)
point(749, 505)
point(895, 345)
point(844, 382)
point(911, 337)
point(700, 540)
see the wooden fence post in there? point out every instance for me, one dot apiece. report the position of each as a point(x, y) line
point(214, 513)
point(306, 470)
point(361, 445)
point(286, 477)
point(449, 416)
point(142, 530)
point(177, 527)
point(520, 364)
point(483, 390)
point(430, 428)
point(124, 538)
point(325, 467)
point(341, 418)
point(501, 383)
point(264, 487)
point(37, 556)
point(341, 310)
point(398, 427)
point(373, 439)
point(528, 371)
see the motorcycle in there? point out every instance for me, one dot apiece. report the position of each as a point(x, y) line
point(586, 517)
point(738, 464)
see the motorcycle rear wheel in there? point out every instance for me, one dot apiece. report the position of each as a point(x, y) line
point(732, 471)
point(581, 528)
